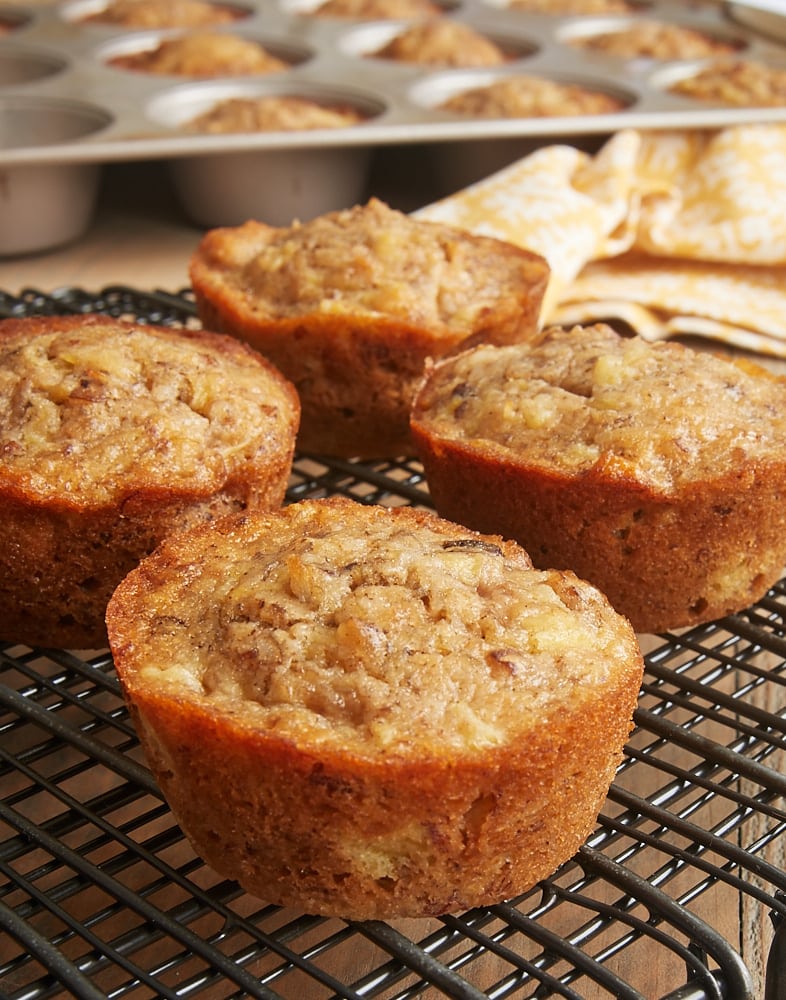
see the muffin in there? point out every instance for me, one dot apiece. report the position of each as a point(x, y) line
point(111, 436)
point(657, 40)
point(275, 113)
point(351, 304)
point(735, 82)
point(524, 96)
point(369, 712)
point(442, 42)
point(204, 55)
point(574, 7)
point(377, 10)
point(164, 14)
point(654, 471)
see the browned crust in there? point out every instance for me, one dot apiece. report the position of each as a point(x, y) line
point(278, 818)
point(653, 555)
point(285, 819)
point(355, 378)
point(170, 15)
point(61, 557)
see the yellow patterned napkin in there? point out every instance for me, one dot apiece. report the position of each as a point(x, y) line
point(671, 232)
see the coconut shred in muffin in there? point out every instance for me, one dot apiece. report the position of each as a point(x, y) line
point(654, 471)
point(112, 435)
point(442, 42)
point(370, 712)
point(202, 55)
point(350, 304)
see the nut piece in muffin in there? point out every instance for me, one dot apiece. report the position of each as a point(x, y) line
point(202, 55)
point(442, 42)
point(658, 40)
point(285, 113)
point(735, 82)
point(655, 471)
point(377, 10)
point(112, 435)
point(172, 14)
point(369, 712)
point(350, 305)
point(524, 96)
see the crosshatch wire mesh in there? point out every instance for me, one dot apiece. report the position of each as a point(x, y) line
point(680, 890)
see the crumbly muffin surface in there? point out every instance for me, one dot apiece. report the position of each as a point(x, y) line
point(271, 114)
point(442, 42)
point(667, 414)
point(530, 96)
point(172, 14)
point(203, 55)
point(559, 7)
point(655, 40)
point(736, 82)
point(374, 261)
point(86, 411)
point(368, 10)
point(375, 634)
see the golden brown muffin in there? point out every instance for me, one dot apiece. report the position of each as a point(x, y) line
point(272, 114)
point(737, 82)
point(351, 304)
point(574, 7)
point(442, 42)
point(655, 40)
point(111, 436)
point(164, 14)
point(370, 712)
point(202, 55)
point(655, 471)
point(377, 10)
point(524, 96)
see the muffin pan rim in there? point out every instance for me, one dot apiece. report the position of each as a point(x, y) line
point(133, 135)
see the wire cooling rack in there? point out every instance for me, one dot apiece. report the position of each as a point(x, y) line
point(679, 894)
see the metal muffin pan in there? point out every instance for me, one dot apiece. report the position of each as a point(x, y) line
point(63, 107)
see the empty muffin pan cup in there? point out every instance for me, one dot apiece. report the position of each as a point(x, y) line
point(43, 204)
point(67, 107)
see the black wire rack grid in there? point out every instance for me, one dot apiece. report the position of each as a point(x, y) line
point(681, 884)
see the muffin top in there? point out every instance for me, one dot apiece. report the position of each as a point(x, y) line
point(371, 630)
point(276, 113)
point(373, 10)
point(372, 261)
point(442, 42)
point(172, 14)
point(574, 7)
point(736, 82)
point(524, 96)
point(655, 40)
point(91, 408)
point(589, 399)
point(205, 54)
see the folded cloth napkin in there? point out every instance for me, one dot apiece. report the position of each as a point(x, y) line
point(672, 232)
